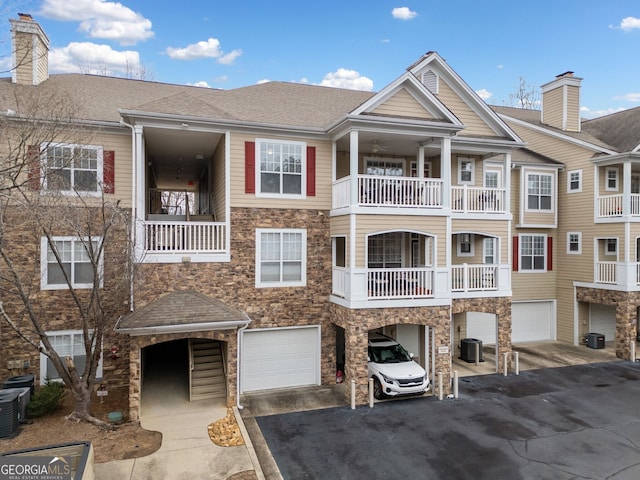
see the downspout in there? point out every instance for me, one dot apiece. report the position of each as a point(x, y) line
point(134, 188)
point(240, 330)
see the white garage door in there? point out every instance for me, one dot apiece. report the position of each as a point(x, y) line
point(532, 321)
point(603, 320)
point(482, 326)
point(280, 358)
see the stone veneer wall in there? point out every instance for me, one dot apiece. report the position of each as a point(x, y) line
point(501, 307)
point(357, 323)
point(234, 284)
point(626, 304)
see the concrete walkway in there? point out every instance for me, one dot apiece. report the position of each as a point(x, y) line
point(186, 452)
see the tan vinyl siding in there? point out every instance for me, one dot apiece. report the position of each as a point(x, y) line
point(515, 195)
point(482, 229)
point(24, 70)
point(371, 224)
point(559, 150)
point(402, 104)
point(539, 285)
point(121, 145)
point(322, 199)
point(477, 170)
point(573, 108)
point(474, 125)
point(553, 108)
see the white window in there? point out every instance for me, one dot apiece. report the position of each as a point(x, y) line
point(69, 258)
point(611, 179)
point(466, 170)
point(426, 171)
point(67, 343)
point(574, 181)
point(282, 168)
point(539, 191)
point(533, 255)
point(611, 246)
point(488, 249)
point(281, 258)
point(70, 168)
point(385, 167)
point(492, 178)
point(465, 245)
point(574, 242)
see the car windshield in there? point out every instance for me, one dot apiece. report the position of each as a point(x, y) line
point(389, 354)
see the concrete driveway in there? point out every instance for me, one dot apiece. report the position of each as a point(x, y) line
point(577, 422)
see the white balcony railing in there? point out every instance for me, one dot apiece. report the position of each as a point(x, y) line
point(478, 199)
point(466, 278)
point(607, 272)
point(183, 237)
point(392, 283)
point(613, 205)
point(376, 191)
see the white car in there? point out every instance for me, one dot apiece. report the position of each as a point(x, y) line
point(393, 370)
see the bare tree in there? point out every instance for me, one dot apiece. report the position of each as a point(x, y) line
point(525, 96)
point(41, 144)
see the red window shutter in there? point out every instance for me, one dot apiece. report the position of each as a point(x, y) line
point(109, 171)
point(515, 254)
point(249, 167)
point(311, 171)
point(549, 253)
point(33, 167)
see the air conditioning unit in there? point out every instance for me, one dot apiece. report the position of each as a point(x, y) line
point(595, 340)
point(468, 350)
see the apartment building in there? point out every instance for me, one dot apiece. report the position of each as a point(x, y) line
point(275, 225)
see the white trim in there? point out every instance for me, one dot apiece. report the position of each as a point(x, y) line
point(551, 208)
point(44, 251)
point(611, 253)
point(99, 169)
point(43, 357)
point(574, 252)
point(569, 181)
point(472, 162)
point(616, 179)
point(520, 253)
point(303, 260)
point(459, 242)
point(303, 173)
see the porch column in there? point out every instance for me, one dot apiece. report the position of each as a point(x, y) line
point(445, 173)
point(139, 189)
point(507, 182)
point(356, 365)
point(353, 166)
point(596, 182)
point(421, 161)
point(626, 324)
point(626, 198)
point(503, 312)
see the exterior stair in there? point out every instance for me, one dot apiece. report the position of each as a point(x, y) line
point(207, 373)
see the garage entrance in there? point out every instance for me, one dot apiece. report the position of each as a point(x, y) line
point(602, 319)
point(280, 358)
point(533, 321)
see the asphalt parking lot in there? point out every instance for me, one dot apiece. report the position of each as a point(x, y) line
point(575, 422)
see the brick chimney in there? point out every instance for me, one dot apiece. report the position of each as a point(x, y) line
point(30, 49)
point(561, 102)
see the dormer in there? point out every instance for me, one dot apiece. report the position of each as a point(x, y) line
point(30, 51)
point(561, 102)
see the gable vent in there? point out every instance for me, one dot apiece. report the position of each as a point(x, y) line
point(430, 80)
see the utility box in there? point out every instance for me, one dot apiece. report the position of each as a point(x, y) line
point(468, 350)
point(595, 340)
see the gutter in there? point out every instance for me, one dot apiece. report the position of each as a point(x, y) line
point(134, 189)
point(238, 335)
point(191, 327)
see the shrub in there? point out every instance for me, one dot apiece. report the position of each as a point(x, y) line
point(46, 399)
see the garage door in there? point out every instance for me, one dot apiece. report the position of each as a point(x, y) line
point(280, 358)
point(603, 320)
point(482, 326)
point(532, 321)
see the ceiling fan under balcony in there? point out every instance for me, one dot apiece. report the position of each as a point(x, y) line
point(377, 147)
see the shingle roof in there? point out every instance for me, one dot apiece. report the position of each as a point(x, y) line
point(621, 129)
point(534, 118)
point(275, 103)
point(181, 308)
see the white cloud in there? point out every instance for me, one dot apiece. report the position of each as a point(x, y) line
point(201, 83)
point(343, 78)
point(500, 67)
point(101, 19)
point(403, 13)
point(587, 113)
point(630, 97)
point(204, 49)
point(484, 94)
point(630, 23)
point(87, 57)
point(264, 80)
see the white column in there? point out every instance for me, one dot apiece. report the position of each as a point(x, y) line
point(445, 171)
point(141, 191)
point(421, 161)
point(626, 189)
point(353, 165)
point(507, 182)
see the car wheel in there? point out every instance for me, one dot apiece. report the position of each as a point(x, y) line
point(377, 389)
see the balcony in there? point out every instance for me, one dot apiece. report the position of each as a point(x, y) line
point(625, 274)
point(611, 206)
point(394, 192)
point(468, 199)
point(173, 241)
point(473, 278)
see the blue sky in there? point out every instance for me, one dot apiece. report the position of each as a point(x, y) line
point(363, 44)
